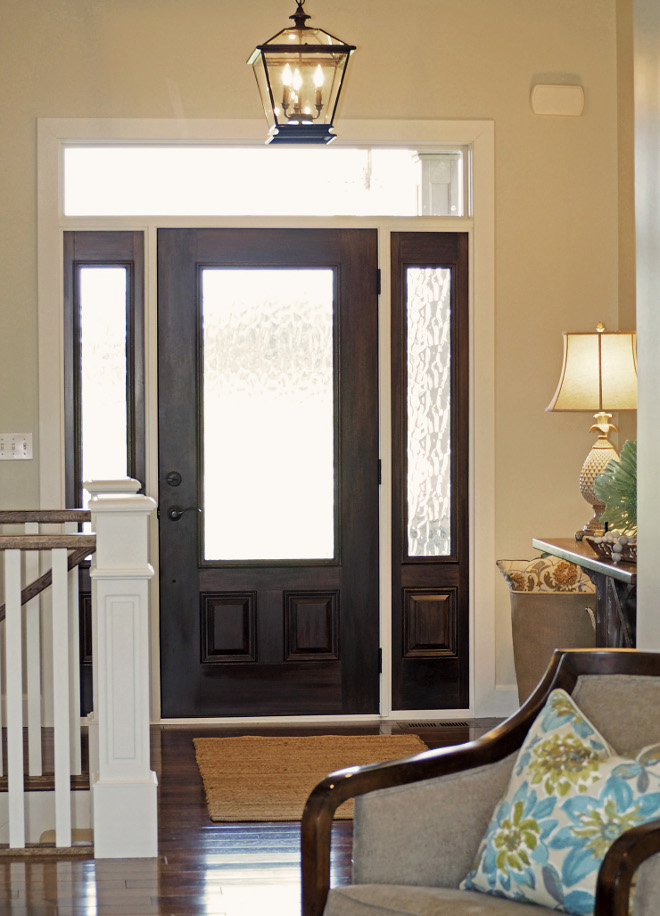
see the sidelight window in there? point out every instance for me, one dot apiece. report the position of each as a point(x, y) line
point(104, 374)
point(428, 414)
point(103, 371)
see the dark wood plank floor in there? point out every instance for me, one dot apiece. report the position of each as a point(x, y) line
point(202, 868)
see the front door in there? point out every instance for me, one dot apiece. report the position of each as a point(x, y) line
point(268, 471)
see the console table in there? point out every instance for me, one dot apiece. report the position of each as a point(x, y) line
point(616, 589)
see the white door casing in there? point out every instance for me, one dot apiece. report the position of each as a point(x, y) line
point(487, 697)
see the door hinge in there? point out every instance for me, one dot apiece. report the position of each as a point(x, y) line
point(378, 287)
point(380, 472)
point(380, 661)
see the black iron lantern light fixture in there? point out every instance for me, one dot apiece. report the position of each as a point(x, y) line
point(300, 72)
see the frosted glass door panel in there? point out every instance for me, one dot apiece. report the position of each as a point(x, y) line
point(428, 301)
point(268, 414)
point(103, 373)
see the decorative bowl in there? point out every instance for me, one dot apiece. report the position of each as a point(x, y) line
point(604, 550)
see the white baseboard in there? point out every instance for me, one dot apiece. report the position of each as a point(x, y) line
point(501, 703)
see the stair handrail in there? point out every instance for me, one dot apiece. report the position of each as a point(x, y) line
point(75, 558)
point(82, 549)
point(46, 516)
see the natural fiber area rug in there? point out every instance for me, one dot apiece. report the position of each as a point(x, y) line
point(269, 779)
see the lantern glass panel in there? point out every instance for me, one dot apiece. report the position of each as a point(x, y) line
point(264, 90)
point(304, 88)
point(306, 36)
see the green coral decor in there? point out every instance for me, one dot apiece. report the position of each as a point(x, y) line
point(617, 488)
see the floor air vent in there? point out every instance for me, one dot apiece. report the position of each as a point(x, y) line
point(438, 724)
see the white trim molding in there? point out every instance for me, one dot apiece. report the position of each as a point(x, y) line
point(487, 698)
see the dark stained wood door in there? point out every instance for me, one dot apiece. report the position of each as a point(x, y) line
point(268, 501)
point(430, 423)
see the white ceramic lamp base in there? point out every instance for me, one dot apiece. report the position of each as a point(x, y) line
point(602, 452)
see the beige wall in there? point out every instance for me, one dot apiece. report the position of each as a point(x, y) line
point(557, 179)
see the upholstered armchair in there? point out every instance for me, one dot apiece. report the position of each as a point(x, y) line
point(423, 824)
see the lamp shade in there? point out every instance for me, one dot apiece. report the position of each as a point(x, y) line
point(299, 73)
point(599, 372)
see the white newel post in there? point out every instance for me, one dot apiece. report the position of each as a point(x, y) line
point(123, 785)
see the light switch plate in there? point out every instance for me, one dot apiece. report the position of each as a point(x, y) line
point(15, 446)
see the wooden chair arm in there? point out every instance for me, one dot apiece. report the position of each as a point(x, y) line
point(621, 862)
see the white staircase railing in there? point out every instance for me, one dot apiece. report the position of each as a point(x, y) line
point(39, 652)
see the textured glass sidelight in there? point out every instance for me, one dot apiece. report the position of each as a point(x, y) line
point(103, 373)
point(428, 419)
point(268, 413)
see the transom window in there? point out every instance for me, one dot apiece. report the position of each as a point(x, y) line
point(260, 181)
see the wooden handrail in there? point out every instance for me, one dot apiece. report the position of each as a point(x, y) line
point(74, 559)
point(45, 516)
point(46, 541)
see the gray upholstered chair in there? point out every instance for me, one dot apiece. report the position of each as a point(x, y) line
point(419, 822)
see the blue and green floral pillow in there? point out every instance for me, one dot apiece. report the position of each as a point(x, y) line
point(569, 798)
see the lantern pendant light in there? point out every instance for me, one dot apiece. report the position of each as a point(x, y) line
point(300, 72)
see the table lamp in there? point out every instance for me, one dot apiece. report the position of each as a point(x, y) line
point(599, 374)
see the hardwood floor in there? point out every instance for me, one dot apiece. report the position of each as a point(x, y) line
point(202, 868)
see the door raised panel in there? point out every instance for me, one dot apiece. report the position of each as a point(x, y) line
point(312, 625)
point(228, 627)
point(429, 623)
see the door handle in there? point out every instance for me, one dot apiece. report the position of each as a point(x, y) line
point(175, 513)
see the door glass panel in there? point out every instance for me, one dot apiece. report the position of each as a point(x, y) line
point(428, 300)
point(103, 373)
point(268, 414)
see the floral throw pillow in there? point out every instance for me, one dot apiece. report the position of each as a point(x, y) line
point(545, 574)
point(569, 798)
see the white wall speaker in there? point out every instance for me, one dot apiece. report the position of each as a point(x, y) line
point(557, 100)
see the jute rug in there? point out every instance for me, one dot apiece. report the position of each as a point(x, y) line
point(269, 779)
